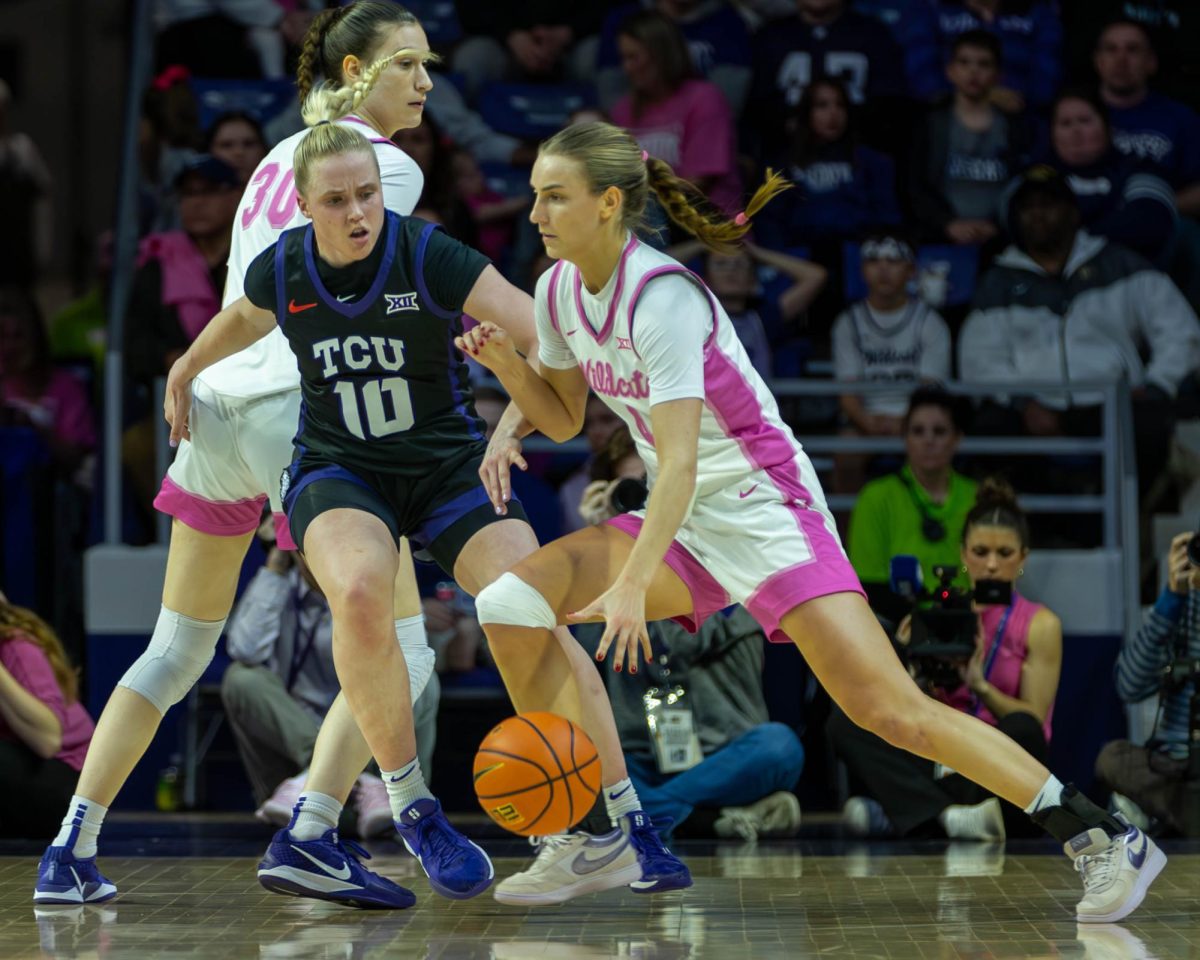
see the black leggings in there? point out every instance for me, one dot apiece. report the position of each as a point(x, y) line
point(903, 782)
point(34, 793)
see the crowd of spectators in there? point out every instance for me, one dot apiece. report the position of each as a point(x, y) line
point(992, 190)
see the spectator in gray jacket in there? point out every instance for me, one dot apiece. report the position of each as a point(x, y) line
point(1062, 305)
point(1152, 777)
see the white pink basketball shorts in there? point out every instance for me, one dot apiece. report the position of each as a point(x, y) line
point(744, 544)
point(238, 451)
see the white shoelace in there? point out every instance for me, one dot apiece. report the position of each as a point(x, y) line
point(548, 844)
point(1098, 870)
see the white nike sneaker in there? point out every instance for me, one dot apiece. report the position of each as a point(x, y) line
point(1116, 872)
point(571, 865)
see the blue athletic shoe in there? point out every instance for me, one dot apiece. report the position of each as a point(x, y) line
point(66, 878)
point(456, 867)
point(661, 869)
point(328, 869)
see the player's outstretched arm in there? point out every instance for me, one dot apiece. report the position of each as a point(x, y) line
point(233, 329)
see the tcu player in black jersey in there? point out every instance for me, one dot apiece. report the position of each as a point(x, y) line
point(388, 445)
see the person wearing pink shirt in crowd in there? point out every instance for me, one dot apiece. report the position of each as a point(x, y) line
point(684, 121)
point(35, 393)
point(44, 729)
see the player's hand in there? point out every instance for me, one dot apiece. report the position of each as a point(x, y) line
point(177, 403)
point(622, 607)
point(490, 345)
point(593, 505)
point(502, 454)
point(1179, 570)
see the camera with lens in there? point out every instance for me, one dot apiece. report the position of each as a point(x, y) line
point(944, 623)
point(627, 494)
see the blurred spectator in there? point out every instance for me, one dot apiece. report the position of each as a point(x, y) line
point(693, 724)
point(1174, 29)
point(599, 423)
point(1010, 682)
point(967, 151)
point(735, 280)
point(33, 392)
point(535, 40)
point(674, 116)
point(1063, 305)
point(494, 214)
point(176, 290)
point(919, 510)
point(1030, 34)
point(168, 140)
point(1121, 198)
point(432, 153)
point(717, 41)
point(44, 729)
point(241, 39)
point(892, 337)
point(842, 189)
point(26, 206)
point(1154, 776)
point(824, 39)
point(281, 684)
point(237, 138)
point(1145, 124)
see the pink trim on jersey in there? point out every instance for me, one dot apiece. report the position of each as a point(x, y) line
point(221, 518)
point(363, 123)
point(551, 299)
point(826, 571)
point(283, 533)
point(658, 272)
point(610, 320)
point(708, 596)
point(643, 427)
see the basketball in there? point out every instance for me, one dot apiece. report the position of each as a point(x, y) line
point(537, 774)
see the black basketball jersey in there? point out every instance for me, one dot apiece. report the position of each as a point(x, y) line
point(383, 386)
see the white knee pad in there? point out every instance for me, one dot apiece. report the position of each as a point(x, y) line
point(179, 651)
point(418, 654)
point(509, 600)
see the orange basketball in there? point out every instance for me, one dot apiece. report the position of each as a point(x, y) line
point(537, 774)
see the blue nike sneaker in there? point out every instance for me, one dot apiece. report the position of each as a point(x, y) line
point(661, 869)
point(66, 878)
point(328, 869)
point(456, 867)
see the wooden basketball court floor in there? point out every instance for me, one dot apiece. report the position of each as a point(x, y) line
point(778, 900)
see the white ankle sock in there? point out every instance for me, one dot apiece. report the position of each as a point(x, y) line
point(315, 813)
point(405, 787)
point(621, 798)
point(975, 822)
point(1049, 796)
point(87, 816)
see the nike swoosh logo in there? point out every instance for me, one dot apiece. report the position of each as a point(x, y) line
point(643, 884)
point(620, 793)
point(1137, 859)
point(344, 297)
point(743, 494)
point(78, 882)
point(294, 307)
point(343, 874)
point(486, 770)
point(582, 864)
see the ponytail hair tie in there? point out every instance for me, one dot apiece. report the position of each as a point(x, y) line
point(645, 156)
point(321, 123)
point(740, 219)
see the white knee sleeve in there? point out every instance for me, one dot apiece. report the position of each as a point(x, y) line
point(512, 602)
point(179, 651)
point(418, 654)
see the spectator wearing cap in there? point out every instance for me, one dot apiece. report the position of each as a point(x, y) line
point(176, 291)
point(891, 336)
point(1061, 304)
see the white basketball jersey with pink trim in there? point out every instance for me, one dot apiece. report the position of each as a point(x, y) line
point(268, 208)
point(618, 339)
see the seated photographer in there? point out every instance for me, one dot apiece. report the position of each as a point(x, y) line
point(1005, 671)
point(918, 510)
point(281, 684)
point(693, 723)
point(1154, 776)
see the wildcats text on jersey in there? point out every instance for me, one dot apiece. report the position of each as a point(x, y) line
point(601, 378)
